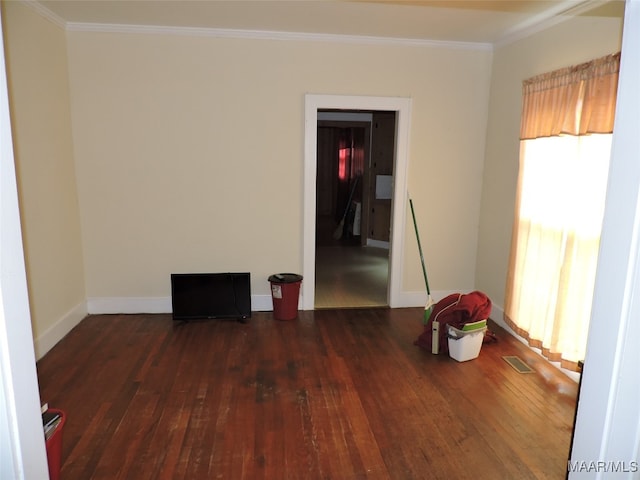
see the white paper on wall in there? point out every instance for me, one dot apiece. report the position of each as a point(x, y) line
point(384, 187)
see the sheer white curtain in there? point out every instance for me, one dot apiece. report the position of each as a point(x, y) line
point(564, 160)
point(562, 189)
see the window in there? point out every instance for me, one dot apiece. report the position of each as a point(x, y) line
point(564, 159)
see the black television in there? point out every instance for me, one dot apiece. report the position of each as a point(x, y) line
point(211, 295)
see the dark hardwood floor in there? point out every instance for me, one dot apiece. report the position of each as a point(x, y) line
point(336, 394)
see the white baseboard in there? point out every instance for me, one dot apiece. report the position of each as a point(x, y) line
point(52, 335)
point(264, 303)
point(114, 305)
point(497, 315)
point(106, 305)
point(259, 303)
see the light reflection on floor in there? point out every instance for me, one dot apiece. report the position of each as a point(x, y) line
point(351, 276)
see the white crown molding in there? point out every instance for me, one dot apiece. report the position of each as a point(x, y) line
point(45, 12)
point(270, 35)
point(559, 13)
point(553, 16)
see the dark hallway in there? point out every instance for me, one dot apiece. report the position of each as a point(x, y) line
point(352, 217)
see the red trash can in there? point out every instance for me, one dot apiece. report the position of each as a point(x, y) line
point(54, 446)
point(285, 290)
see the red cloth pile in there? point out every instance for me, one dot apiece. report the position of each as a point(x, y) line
point(456, 310)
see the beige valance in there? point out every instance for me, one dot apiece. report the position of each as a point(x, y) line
point(576, 100)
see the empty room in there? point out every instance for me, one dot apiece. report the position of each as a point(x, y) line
point(387, 156)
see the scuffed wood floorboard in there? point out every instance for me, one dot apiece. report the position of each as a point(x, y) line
point(335, 394)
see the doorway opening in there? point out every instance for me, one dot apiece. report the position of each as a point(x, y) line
point(400, 110)
point(355, 159)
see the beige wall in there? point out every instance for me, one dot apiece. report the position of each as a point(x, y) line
point(189, 152)
point(569, 43)
point(39, 102)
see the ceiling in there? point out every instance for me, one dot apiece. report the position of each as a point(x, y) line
point(476, 21)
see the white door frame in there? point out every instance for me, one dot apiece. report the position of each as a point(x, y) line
point(22, 446)
point(607, 430)
point(402, 106)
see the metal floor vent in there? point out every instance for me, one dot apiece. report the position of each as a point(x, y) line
point(518, 365)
